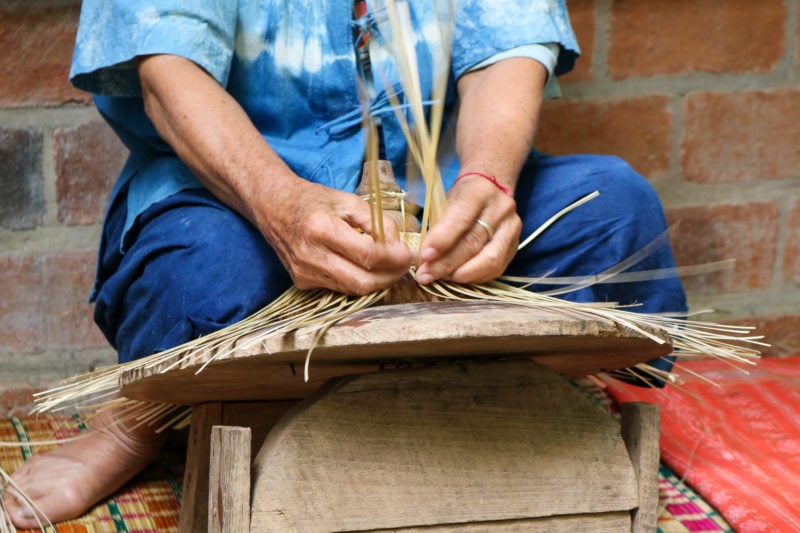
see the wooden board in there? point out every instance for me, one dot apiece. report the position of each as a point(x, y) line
point(641, 430)
point(229, 480)
point(258, 417)
point(194, 511)
point(571, 343)
point(619, 522)
point(456, 444)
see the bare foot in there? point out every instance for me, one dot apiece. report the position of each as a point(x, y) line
point(65, 482)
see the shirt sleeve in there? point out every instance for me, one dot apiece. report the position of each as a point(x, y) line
point(486, 28)
point(111, 33)
point(546, 54)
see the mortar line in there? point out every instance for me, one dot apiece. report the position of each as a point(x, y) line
point(49, 178)
point(778, 276)
point(790, 57)
point(602, 32)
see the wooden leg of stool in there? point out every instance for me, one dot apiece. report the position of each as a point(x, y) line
point(194, 502)
point(258, 416)
point(640, 431)
point(229, 480)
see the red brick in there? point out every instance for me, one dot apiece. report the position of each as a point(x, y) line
point(734, 137)
point(746, 233)
point(651, 37)
point(37, 39)
point(88, 159)
point(582, 17)
point(45, 302)
point(69, 279)
point(637, 129)
point(22, 310)
point(22, 203)
point(781, 332)
point(791, 258)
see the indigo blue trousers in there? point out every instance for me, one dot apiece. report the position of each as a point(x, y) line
point(190, 265)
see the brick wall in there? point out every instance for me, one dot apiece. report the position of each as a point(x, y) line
point(703, 97)
point(57, 164)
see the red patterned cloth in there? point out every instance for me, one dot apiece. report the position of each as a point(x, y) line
point(736, 441)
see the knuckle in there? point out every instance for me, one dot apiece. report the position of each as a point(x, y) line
point(315, 230)
point(492, 256)
point(475, 240)
point(362, 286)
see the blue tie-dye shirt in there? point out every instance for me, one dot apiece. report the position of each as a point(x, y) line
point(291, 64)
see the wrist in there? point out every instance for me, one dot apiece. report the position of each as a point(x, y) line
point(488, 177)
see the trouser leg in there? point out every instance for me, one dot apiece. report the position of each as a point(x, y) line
point(625, 218)
point(191, 266)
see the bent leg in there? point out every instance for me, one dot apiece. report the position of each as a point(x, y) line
point(191, 266)
point(625, 218)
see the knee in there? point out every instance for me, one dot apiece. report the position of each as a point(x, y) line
point(558, 181)
point(223, 258)
point(623, 191)
point(625, 216)
point(189, 272)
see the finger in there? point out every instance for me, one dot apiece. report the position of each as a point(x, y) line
point(493, 258)
point(487, 265)
point(361, 218)
point(390, 256)
point(349, 261)
point(339, 274)
point(371, 257)
point(471, 244)
point(450, 232)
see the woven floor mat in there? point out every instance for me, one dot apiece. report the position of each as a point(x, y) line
point(735, 437)
point(681, 509)
point(151, 501)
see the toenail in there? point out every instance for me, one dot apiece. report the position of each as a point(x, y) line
point(24, 513)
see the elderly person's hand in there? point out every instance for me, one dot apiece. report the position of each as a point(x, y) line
point(322, 237)
point(320, 234)
point(477, 237)
point(480, 230)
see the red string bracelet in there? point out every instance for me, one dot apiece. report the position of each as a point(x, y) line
point(486, 177)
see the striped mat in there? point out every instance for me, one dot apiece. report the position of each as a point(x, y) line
point(736, 440)
point(151, 501)
point(681, 509)
point(148, 504)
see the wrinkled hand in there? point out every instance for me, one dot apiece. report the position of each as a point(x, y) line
point(458, 248)
point(323, 238)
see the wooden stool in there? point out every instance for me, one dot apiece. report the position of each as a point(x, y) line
point(458, 441)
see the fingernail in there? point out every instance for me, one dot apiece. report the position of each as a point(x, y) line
point(424, 279)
